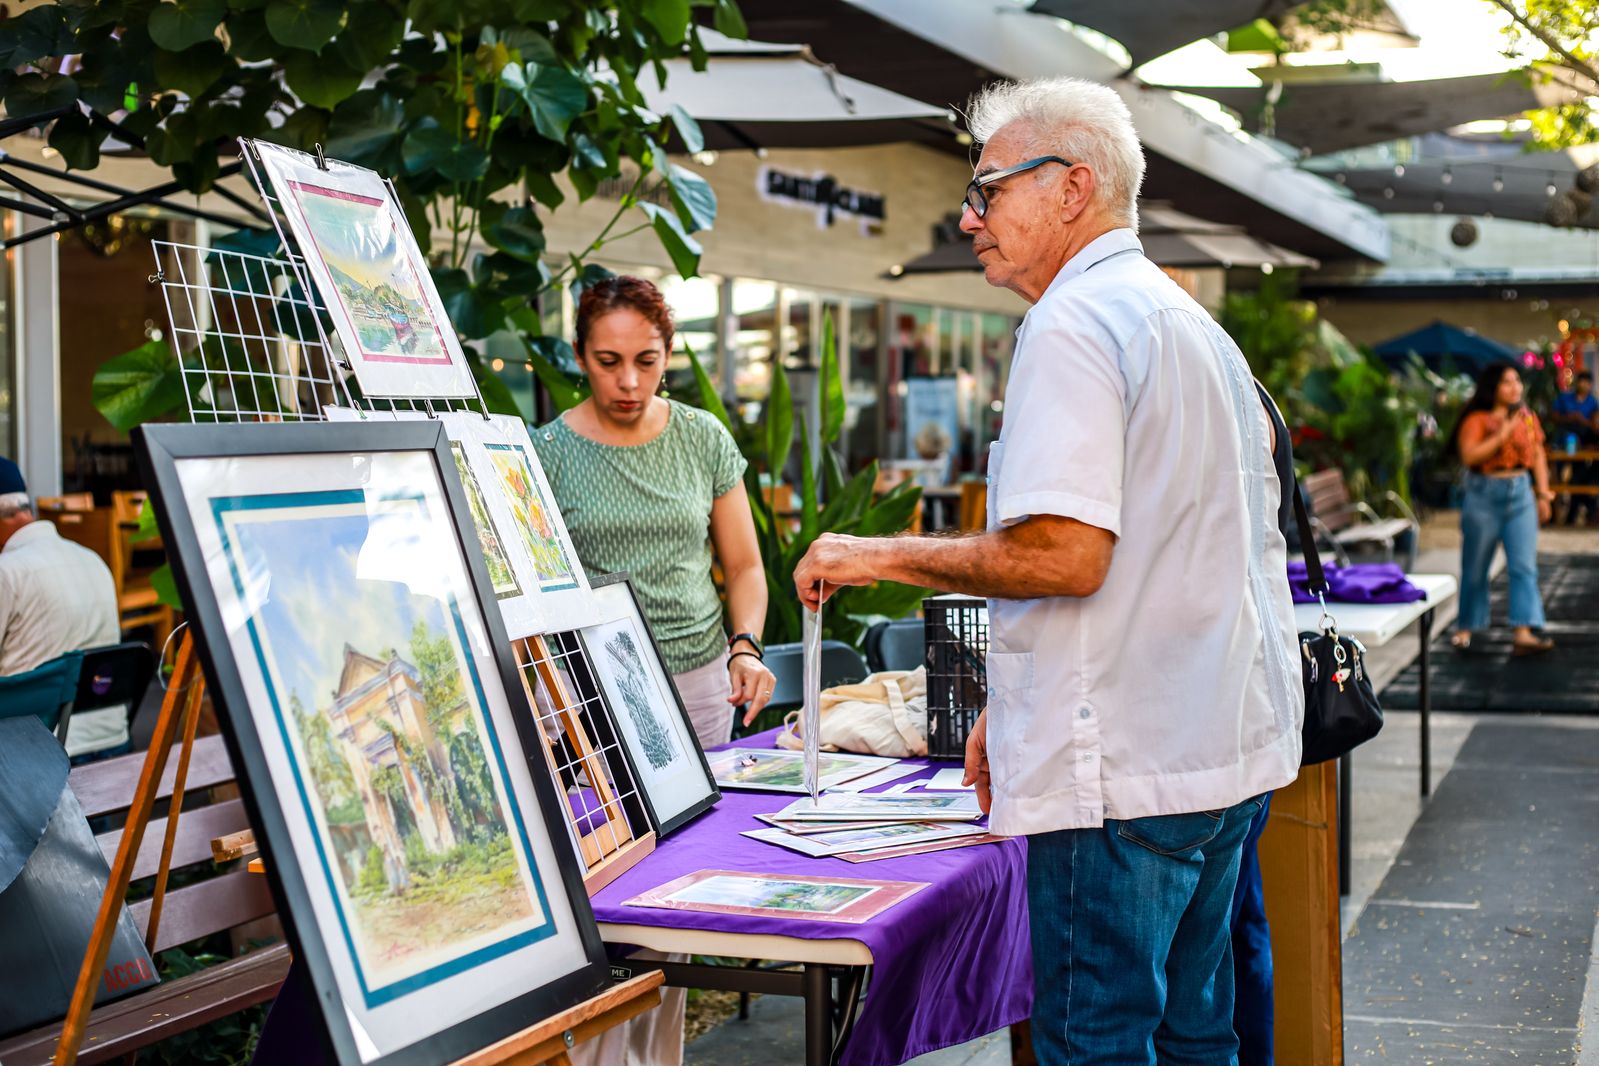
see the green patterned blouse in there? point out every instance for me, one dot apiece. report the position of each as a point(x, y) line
point(646, 509)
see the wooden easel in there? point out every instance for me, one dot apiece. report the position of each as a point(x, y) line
point(181, 705)
point(611, 848)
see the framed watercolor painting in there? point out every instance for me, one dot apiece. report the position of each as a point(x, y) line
point(538, 581)
point(339, 599)
point(775, 770)
point(754, 895)
point(646, 709)
point(373, 279)
point(820, 845)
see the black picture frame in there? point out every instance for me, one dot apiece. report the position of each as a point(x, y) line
point(662, 826)
point(160, 448)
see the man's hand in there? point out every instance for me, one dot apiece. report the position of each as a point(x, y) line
point(977, 762)
point(834, 560)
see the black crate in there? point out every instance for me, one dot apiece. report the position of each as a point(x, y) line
point(957, 681)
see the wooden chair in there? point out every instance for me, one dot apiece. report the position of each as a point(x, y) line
point(974, 506)
point(72, 501)
point(196, 910)
point(1349, 523)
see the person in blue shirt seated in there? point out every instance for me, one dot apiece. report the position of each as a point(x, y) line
point(1576, 419)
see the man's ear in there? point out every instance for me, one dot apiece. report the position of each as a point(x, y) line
point(1077, 192)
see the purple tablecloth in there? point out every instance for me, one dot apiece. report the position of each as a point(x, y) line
point(951, 963)
point(1356, 583)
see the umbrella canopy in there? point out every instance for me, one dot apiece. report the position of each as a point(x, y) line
point(758, 95)
point(1439, 343)
point(1332, 116)
point(1150, 28)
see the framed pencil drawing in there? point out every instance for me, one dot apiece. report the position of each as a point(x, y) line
point(338, 592)
point(646, 708)
point(364, 260)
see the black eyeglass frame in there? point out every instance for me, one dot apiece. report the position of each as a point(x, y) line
point(978, 201)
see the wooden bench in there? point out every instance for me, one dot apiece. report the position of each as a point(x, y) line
point(220, 903)
point(1346, 522)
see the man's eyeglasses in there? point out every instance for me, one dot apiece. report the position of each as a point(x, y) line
point(977, 200)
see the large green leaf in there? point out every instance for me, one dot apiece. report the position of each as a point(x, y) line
point(78, 140)
point(513, 230)
point(891, 514)
point(779, 421)
point(554, 95)
point(886, 599)
point(38, 94)
point(546, 353)
point(138, 386)
point(321, 81)
point(669, 17)
point(366, 130)
point(179, 24)
point(166, 586)
point(496, 394)
point(709, 398)
point(36, 33)
point(831, 385)
point(433, 148)
point(729, 21)
point(472, 314)
point(510, 276)
point(193, 70)
point(683, 249)
point(846, 506)
point(307, 24)
point(687, 129)
point(693, 197)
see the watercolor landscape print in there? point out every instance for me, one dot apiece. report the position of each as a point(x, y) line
point(354, 620)
point(624, 661)
point(501, 575)
point(828, 899)
point(373, 276)
point(532, 513)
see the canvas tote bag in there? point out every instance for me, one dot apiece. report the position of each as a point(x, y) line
point(886, 714)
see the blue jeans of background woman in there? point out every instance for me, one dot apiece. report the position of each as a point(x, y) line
point(1499, 510)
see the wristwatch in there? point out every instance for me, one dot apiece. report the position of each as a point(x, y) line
point(754, 642)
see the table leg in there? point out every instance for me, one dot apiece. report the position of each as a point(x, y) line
point(1346, 763)
point(1425, 702)
point(818, 1015)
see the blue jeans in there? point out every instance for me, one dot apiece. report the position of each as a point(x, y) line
point(1254, 1014)
point(1132, 949)
point(1499, 510)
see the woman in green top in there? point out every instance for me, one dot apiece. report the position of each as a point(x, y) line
point(653, 487)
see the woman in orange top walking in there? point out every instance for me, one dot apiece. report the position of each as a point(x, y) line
point(1507, 496)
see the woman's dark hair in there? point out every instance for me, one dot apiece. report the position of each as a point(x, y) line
point(1482, 399)
point(615, 293)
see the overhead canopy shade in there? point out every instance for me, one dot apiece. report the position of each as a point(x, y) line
point(1150, 28)
point(1332, 116)
point(758, 95)
point(1514, 185)
point(1441, 345)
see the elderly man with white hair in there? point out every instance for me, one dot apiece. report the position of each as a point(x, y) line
point(1143, 690)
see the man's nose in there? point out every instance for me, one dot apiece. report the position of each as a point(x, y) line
point(970, 222)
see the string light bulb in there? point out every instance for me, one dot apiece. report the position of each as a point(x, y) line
point(1550, 189)
point(1388, 192)
point(1447, 176)
point(1399, 170)
point(1499, 181)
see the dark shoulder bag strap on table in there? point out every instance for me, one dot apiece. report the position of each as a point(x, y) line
point(1341, 708)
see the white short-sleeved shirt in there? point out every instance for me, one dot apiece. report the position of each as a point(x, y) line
point(1175, 687)
point(55, 597)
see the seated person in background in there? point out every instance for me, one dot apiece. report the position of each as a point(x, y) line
point(1576, 415)
point(55, 597)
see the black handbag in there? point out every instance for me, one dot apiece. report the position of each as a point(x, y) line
point(1341, 708)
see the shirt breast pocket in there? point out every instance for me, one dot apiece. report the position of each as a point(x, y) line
point(1010, 686)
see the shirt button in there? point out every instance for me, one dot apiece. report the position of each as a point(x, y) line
point(1085, 712)
point(548, 435)
point(1088, 756)
point(990, 691)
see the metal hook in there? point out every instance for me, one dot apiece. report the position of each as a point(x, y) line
point(427, 401)
point(159, 277)
point(161, 664)
point(321, 160)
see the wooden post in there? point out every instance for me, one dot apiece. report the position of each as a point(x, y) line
point(186, 685)
point(1299, 867)
point(191, 722)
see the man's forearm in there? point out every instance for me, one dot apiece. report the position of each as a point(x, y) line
point(1004, 564)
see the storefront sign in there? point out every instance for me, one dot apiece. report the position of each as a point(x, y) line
point(823, 194)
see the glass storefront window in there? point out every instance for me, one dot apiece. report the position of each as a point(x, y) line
point(754, 337)
point(695, 303)
point(860, 353)
point(998, 343)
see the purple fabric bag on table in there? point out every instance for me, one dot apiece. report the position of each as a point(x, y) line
point(1357, 583)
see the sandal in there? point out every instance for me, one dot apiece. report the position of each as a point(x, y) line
point(1519, 649)
point(1461, 641)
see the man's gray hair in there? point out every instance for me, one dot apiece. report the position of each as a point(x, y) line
point(13, 504)
point(1080, 120)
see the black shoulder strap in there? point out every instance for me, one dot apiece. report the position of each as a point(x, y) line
point(1290, 487)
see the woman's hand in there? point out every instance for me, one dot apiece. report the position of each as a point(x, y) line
point(749, 682)
point(1546, 507)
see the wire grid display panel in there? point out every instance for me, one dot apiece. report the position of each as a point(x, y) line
point(246, 335)
point(350, 393)
point(585, 752)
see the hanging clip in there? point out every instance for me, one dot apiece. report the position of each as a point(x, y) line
point(321, 160)
point(428, 403)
